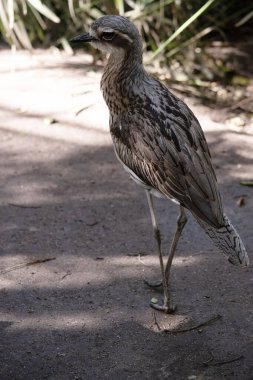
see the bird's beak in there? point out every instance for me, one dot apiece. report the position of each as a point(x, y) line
point(86, 37)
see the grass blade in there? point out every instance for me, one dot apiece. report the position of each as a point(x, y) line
point(72, 11)
point(10, 10)
point(244, 19)
point(182, 28)
point(44, 10)
point(9, 33)
point(119, 4)
point(22, 35)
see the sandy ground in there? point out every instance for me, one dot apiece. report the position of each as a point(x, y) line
point(84, 313)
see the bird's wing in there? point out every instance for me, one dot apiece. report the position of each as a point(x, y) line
point(169, 153)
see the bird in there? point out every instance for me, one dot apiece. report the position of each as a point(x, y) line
point(160, 143)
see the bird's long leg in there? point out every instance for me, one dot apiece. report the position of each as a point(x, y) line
point(181, 222)
point(166, 300)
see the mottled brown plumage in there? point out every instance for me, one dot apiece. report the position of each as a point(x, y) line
point(159, 141)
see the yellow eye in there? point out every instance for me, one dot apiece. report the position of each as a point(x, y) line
point(108, 36)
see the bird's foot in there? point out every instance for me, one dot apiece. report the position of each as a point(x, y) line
point(153, 284)
point(167, 307)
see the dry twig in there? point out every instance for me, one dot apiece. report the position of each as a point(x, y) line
point(195, 327)
point(23, 265)
point(23, 206)
point(155, 321)
point(210, 362)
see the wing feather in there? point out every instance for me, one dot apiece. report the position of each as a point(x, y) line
point(166, 148)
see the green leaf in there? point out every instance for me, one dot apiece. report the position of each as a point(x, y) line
point(246, 183)
point(239, 80)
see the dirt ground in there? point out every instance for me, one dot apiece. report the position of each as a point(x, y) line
point(76, 243)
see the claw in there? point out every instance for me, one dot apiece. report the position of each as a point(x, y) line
point(153, 284)
point(168, 309)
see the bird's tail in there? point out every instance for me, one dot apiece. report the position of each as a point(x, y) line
point(226, 238)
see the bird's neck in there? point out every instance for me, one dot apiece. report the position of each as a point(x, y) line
point(122, 78)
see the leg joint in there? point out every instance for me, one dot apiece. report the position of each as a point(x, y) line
point(182, 219)
point(157, 235)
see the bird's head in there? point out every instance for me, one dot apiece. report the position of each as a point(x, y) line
point(112, 34)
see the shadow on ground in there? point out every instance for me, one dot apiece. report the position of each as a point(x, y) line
point(82, 312)
point(85, 314)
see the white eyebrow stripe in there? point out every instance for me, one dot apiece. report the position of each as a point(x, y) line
point(125, 36)
point(106, 29)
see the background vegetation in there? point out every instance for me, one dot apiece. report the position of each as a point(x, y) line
point(185, 40)
point(167, 25)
